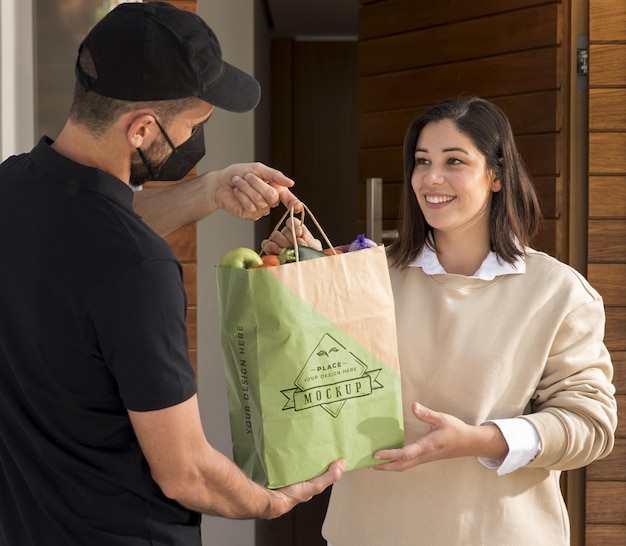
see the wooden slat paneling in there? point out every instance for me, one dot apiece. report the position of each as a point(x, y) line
point(606, 109)
point(605, 22)
point(607, 241)
point(187, 5)
point(609, 70)
point(500, 34)
point(397, 16)
point(605, 535)
point(541, 153)
point(609, 280)
point(515, 73)
point(532, 113)
point(605, 506)
point(606, 152)
point(529, 114)
point(546, 239)
point(607, 196)
point(546, 192)
point(605, 502)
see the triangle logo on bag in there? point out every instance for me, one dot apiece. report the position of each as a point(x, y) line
point(331, 376)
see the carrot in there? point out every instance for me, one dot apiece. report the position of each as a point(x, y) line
point(330, 252)
point(269, 260)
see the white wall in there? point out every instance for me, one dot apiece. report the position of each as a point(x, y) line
point(229, 139)
point(16, 78)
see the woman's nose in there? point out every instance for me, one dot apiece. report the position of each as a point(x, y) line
point(433, 176)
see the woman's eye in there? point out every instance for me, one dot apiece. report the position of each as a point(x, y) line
point(454, 161)
point(421, 161)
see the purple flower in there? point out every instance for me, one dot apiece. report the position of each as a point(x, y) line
point(360, 243)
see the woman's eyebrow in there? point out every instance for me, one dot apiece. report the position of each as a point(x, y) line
point(462, 150)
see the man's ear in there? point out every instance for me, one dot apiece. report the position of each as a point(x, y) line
point(140, 130)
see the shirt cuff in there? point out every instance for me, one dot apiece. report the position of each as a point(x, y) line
point(523, 441)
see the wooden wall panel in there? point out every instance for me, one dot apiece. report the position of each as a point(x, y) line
point(604, 535)
point(606, 109)
point(500, 34)
point(607, 240)
point(606, 479)
point(396, 16)
point(513, 73)
point(610, 280)
point(606, 152)
point(609, 67)
point(607, 196)
point(605, 502)
point(606, 21)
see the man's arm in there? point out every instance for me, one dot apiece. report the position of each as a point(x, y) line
point(245, 190)
point(189, 470)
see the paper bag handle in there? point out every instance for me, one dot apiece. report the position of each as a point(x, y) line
point(290, 212)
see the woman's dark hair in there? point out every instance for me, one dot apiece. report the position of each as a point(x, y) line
point(98, 113)
point(515, 214)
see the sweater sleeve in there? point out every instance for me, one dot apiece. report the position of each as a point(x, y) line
point(573, 408)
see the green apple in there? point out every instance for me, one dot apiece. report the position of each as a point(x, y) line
point(240, 257)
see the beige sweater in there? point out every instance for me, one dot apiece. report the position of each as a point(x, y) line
point(526, 345)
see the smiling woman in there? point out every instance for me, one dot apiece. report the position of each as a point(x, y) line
point(488, 426)
point(454, 186)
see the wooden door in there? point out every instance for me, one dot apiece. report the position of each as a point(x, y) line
point(313, 137)
point(606, 479)
point(313, 129)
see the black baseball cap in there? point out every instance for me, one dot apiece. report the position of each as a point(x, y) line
point(155, 51)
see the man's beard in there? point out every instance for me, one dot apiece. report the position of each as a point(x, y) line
point(139, 173)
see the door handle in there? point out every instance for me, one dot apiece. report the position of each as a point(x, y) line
point(374, 213)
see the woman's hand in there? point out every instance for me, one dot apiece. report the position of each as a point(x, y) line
point(284, 238)
point(447, 437)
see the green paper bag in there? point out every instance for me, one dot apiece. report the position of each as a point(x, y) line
point(311, 365)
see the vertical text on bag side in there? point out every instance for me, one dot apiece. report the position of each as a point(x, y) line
point(243, 377)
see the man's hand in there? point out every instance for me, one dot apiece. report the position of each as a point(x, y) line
point(290, 496)
point(447, 437)
point(245, 190)
point(250, 190)
point(192, 472)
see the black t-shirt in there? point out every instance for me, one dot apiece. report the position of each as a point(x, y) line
point(92, 323)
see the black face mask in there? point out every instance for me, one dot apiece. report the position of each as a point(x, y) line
point(182, 159)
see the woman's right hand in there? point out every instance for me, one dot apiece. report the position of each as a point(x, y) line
point(284, 238)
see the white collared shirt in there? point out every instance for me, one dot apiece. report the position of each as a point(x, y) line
point(520, 435)
point(492, 266)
